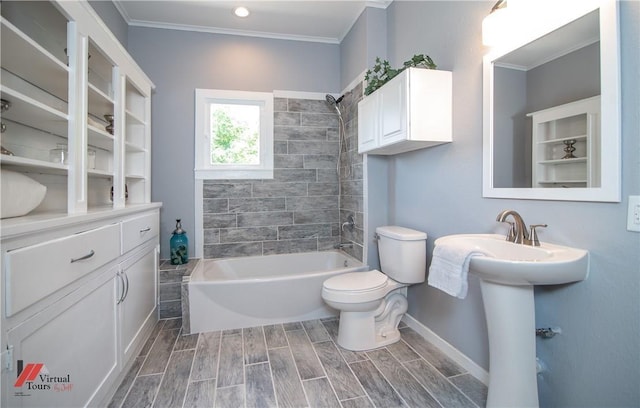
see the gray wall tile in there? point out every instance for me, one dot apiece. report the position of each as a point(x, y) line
point(240, 216)
point(248, 234)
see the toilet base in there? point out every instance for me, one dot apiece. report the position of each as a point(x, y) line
point(360, 331)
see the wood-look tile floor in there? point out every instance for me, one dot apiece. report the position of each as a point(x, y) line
point(291, 365)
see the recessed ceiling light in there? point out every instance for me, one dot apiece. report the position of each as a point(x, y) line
point(241, 11)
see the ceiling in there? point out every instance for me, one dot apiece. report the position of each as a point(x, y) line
point(303, 20)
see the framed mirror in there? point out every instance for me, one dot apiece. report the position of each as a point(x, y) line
point(552, 107)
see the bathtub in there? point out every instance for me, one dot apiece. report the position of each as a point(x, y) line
point(254, 291)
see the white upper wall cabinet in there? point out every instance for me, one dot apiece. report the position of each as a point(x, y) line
point(76, 110)
point(410, 112)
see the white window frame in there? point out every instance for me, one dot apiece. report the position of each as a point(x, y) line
point(204, 170)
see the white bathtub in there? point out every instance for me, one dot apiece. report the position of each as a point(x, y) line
point(254, 291)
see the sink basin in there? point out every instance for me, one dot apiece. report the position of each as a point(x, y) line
point(507, 273)
point(516, 264)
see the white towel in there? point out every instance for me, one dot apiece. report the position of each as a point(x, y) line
point(450, 267)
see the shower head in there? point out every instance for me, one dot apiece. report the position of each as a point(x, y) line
point(333, 101)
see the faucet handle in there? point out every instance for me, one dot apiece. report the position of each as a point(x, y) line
point(533, 235)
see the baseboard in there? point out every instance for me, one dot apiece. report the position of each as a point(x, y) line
point(450, 351)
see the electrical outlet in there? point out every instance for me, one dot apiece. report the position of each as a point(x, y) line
point(633, 216)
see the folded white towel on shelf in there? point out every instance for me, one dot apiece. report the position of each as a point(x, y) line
point(450, 267)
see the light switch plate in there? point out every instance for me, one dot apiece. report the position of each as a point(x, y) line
point(633, 216)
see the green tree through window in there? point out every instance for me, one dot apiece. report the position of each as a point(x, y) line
point(235, 133)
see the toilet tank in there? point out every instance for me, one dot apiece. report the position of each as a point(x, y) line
point(403, 253)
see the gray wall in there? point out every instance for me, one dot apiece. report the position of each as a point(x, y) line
point(113, 19)
point(439, 190)
point(594, 362)
point(178, 62)
point(297, 211)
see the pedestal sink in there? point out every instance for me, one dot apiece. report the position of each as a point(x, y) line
point(507, 273)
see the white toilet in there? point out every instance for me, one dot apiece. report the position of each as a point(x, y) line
point(372, 303)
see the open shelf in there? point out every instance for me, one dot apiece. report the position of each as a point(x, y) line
point(30, 61)
point(33, 113)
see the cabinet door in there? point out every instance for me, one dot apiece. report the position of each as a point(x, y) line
point(368, 123)
point(138, 299)
point(393, 110)
point(67, 353)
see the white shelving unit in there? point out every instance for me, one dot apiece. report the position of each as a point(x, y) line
point(83, 264)
point(552, 128)
point(61, 96)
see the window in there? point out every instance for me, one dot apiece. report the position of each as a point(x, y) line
point(233, 134)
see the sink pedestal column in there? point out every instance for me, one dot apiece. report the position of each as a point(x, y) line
point(510, 316)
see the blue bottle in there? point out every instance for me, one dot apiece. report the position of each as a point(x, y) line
point(179, 245)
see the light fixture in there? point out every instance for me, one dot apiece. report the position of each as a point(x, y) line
point(241, 11)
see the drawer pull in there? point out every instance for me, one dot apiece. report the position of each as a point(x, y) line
point(145, 230)
point(82, 258)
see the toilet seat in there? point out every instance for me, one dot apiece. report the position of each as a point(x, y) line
point(357, 287)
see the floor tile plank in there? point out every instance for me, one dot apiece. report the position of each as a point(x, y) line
point(441, 389)
point(255, 349)
point(175, 380)
point(402, 352)
point(414, 394)
point(431, 353)
point(186, 342)
point(472, 388)
point(259, 386)
point(316, 331)
point(230, 397)
point(143, 391)
point(332, 327)
point(360, 402)
point(200, 394)
point(320, 394)
point(379, 390)
point(304, 356)
point(231, 369)
point(338, 371)
point(274, 335)
point(127, 382)
point(205, 364)
point(160, 352)
point(286, 382)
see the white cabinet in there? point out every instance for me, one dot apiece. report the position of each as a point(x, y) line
point(83, 319)
point(63, 76)
point(138, 298)
point(412, 111)
point(565, 145)
point(74, 339)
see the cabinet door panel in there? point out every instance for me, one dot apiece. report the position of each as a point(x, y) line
point(75, 340)
point(139, 300)
point(393, 109)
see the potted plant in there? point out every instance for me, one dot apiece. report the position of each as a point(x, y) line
point(381, 73)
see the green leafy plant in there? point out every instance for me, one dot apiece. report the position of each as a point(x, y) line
point(381, 73)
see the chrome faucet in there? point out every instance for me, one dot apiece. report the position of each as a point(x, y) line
point(518, 229)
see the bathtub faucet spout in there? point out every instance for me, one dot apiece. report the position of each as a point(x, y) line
point(343, 245)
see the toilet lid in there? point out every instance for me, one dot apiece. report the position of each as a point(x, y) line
point(357, 281)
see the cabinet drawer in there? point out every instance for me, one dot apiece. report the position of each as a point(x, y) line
point(139, 230)
point(37, 271)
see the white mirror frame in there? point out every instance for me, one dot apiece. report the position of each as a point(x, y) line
point(610, 189)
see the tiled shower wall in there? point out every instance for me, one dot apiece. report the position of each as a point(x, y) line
point(298, 210)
